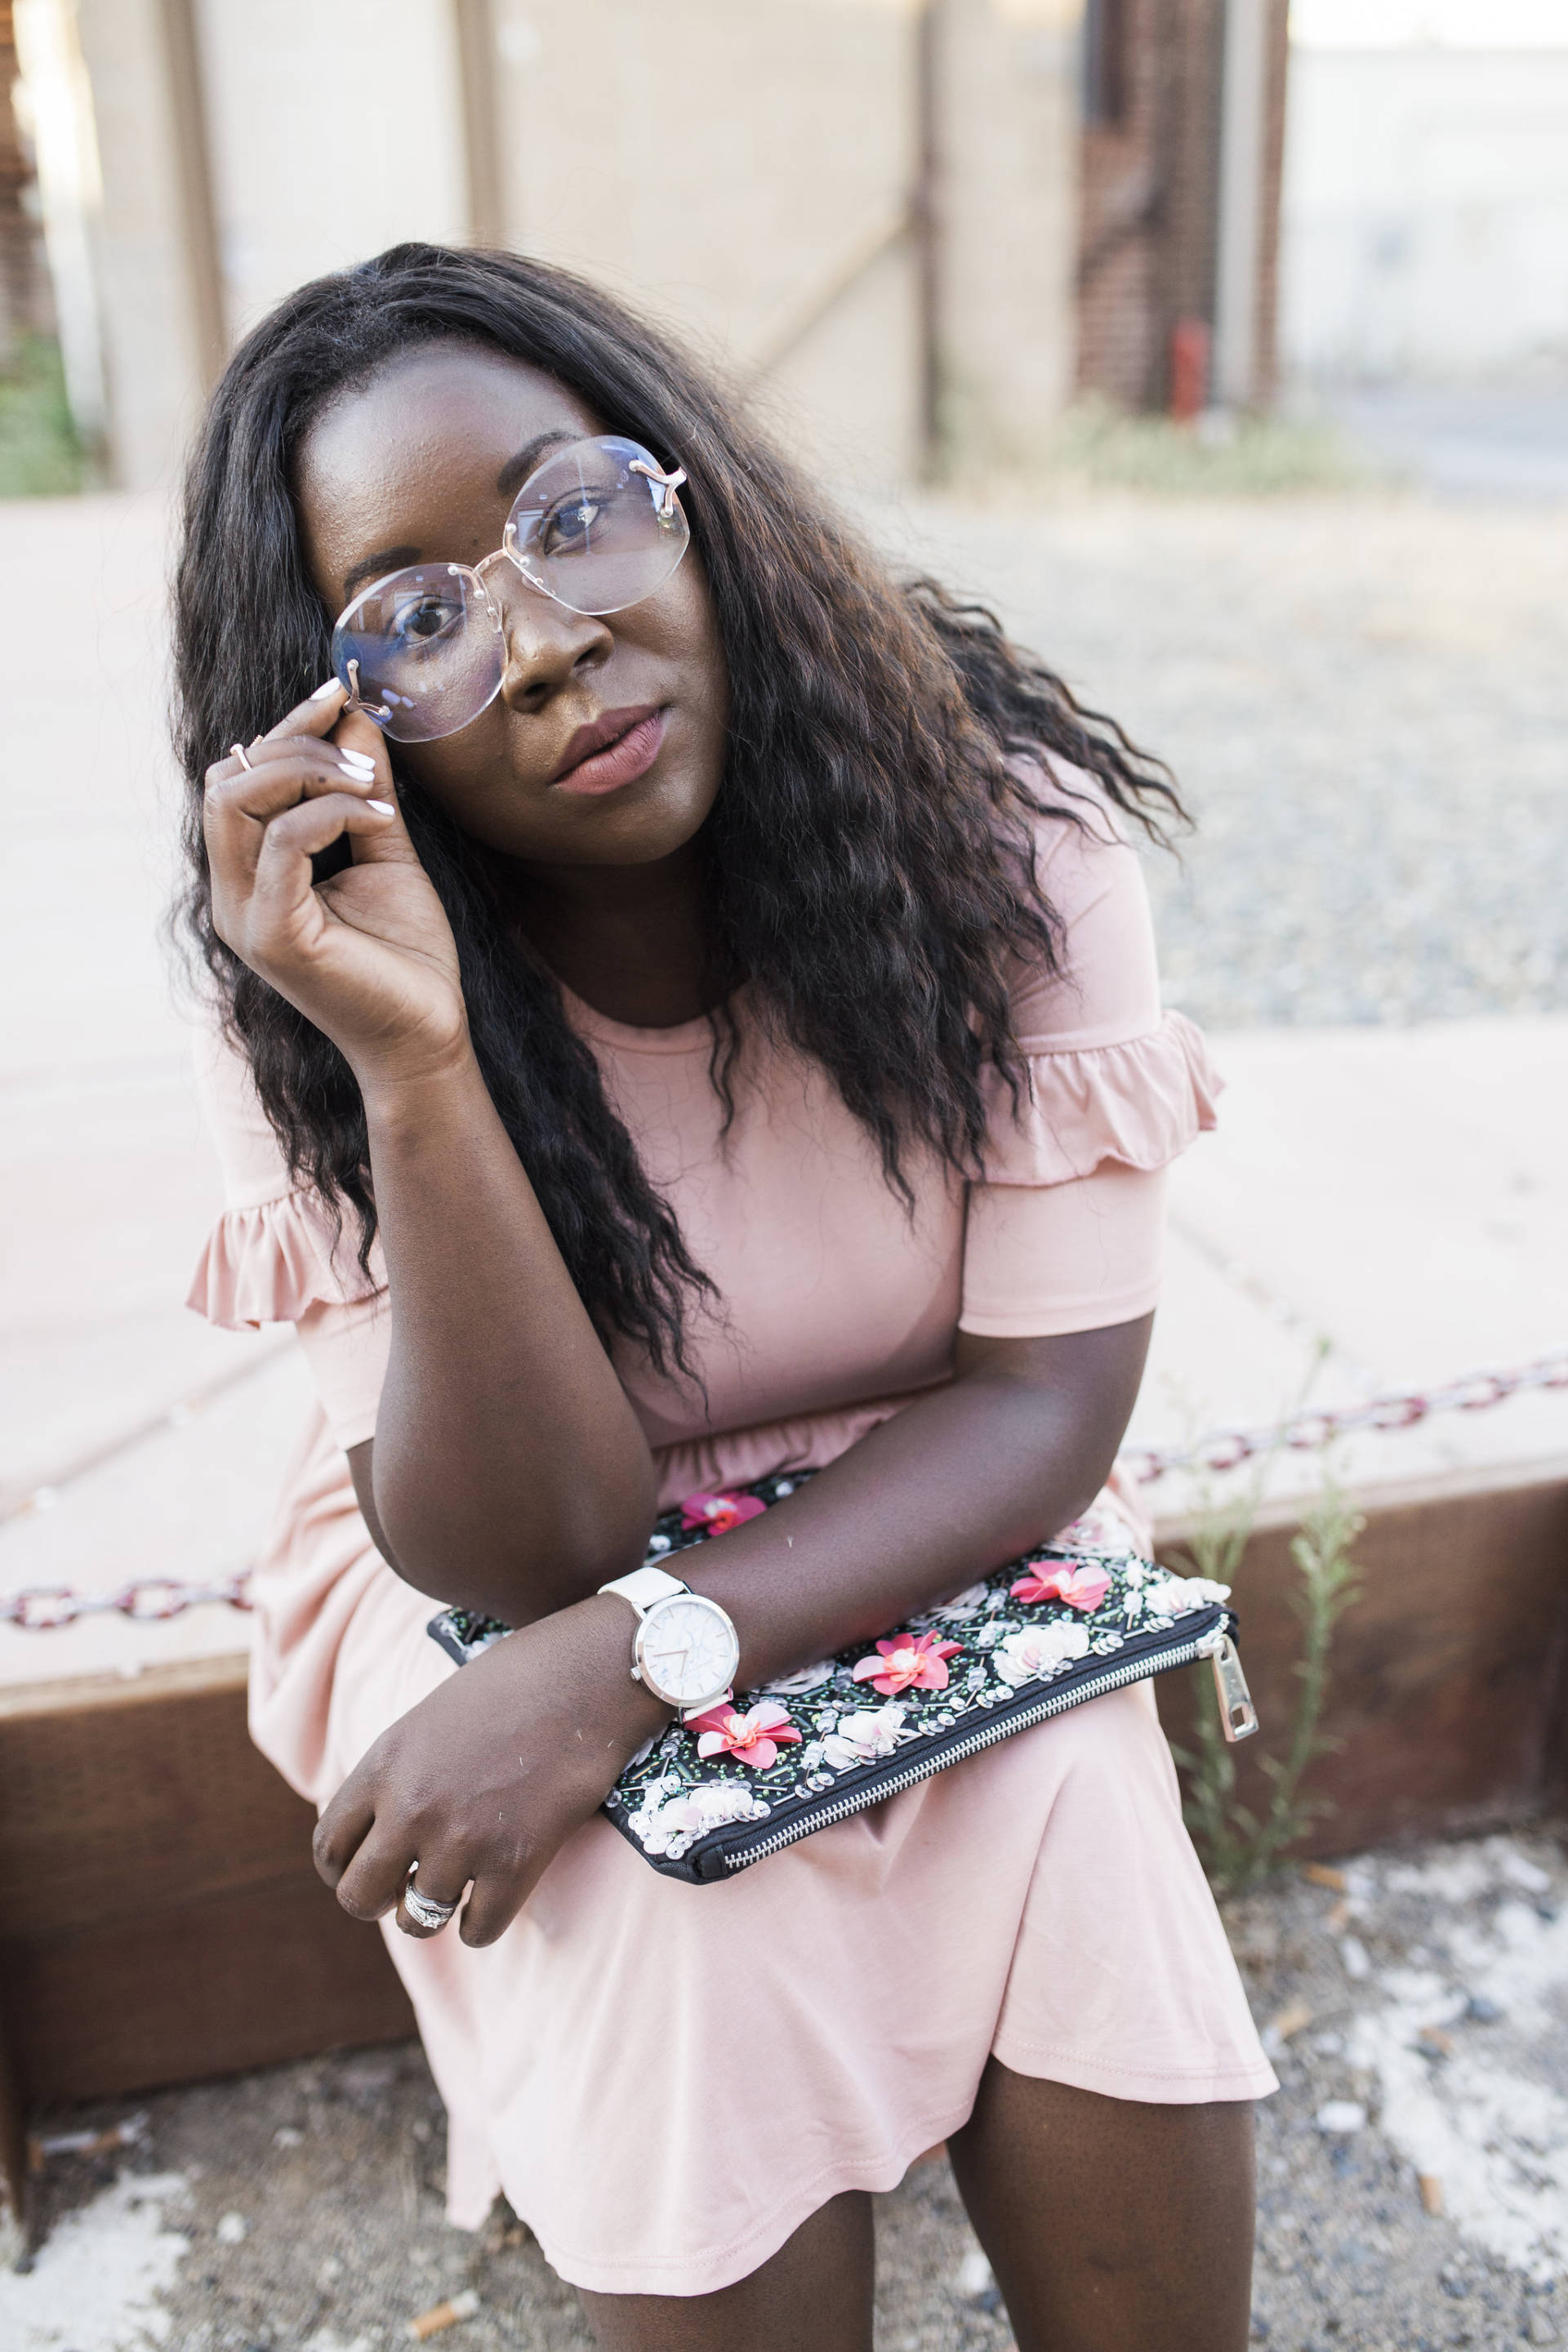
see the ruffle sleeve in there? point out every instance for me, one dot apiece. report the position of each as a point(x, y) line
point(272, 1261)
point(1138, 1104)
point(1064, 1228)
point(277, 1253)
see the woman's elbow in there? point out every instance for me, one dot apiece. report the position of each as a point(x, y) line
point(461, 1535)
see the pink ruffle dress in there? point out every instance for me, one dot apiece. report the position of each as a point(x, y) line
point(666, 2080)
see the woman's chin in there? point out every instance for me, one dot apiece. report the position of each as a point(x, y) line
point(653, 817)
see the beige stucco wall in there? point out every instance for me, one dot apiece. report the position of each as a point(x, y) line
point(720, 165)
point(1009, 202)
point(333, 130)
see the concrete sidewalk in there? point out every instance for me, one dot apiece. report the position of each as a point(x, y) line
point(1397, 1194)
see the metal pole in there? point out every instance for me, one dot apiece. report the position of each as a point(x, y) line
point(1238, 258)
point(925, 212)
point(65, 147)
point(477, 68)
point(193, 163)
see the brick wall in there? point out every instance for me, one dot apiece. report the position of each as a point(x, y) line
point(25, 305)
point(1148, 189)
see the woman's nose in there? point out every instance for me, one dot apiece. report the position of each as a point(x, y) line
point(546, 644)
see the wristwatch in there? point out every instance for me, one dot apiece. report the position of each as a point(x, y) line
point(685, 1649)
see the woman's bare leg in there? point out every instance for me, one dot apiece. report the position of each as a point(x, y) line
point(813, 2296)
point(1112, 2226)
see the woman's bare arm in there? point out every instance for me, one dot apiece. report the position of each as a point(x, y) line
point(484, 1778)
point(949, 1489)
point(508, 1471)
point(1014, 1449)
point(507, 1454)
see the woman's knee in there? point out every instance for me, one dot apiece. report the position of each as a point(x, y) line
point(813, 2296)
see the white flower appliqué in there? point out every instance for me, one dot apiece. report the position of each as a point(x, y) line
point(863, 1737)
point(1172, 1596)
point(1039, 1651)
point(668, 1829)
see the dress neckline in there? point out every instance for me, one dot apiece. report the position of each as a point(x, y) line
point(629, 1037)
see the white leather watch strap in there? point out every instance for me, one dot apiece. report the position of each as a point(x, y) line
point(644, 1586)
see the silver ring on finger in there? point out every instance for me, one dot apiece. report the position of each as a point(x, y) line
point(424, 1909)
point(236, 751)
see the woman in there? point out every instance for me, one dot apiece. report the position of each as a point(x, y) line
point(712, 1031)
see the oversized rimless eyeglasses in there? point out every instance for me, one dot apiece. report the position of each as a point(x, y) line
point(596, 528)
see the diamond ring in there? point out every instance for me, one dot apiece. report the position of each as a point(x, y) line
point(423, 1909)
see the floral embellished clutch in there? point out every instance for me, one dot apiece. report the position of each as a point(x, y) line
point(1084, 1615)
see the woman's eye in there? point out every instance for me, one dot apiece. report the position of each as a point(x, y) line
point(424, 619)
point(568, 529)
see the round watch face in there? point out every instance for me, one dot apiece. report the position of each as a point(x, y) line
point(687, 1650)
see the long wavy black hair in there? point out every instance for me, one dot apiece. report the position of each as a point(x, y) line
point(868, 861)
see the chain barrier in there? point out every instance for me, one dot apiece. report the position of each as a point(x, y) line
point(1315, 1428)
point(46, 1607)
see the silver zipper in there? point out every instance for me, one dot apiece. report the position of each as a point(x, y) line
point(1211, 1646)
point(1238, 1716)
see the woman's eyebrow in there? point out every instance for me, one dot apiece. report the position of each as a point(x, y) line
point(386, 559)
point(516, 470)
point(512, 476)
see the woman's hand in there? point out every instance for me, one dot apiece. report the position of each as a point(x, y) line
point(369, 955)
point(484, 1781)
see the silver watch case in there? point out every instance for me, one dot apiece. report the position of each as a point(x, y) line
point(651, 1639)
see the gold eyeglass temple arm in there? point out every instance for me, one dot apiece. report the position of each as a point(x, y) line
point(668, 483)
point(356, 702)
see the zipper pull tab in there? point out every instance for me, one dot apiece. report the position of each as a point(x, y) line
point(1238, 1716)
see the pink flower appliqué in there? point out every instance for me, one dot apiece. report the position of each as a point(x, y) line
point(909, 1662)
point(1081, 1588)
point(755, 1738)
point(720, 1512)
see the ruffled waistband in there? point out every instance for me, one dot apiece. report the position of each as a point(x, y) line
point(734, 1457)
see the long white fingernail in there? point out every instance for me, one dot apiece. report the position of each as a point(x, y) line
point(328, 686)
point(382, 808)
point(358, 764)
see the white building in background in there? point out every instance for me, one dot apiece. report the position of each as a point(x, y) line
point(1425, 216)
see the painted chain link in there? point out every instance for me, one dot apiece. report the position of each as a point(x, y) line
point(44, 1607)
point(1317, 1427)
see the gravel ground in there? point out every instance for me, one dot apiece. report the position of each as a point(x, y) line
point(1366, 700)
point(1415, 2006)
point(1418, 2023)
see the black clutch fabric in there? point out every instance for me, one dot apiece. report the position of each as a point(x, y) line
point(1085, 1614)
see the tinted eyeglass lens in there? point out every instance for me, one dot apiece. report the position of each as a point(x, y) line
point(593, 532)
point(428, 650)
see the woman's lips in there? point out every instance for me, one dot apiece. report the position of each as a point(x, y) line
point(629, 754)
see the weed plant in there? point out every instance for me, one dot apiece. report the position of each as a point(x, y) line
point(1096, 445)
point(1237, 1845)
point(40, 456)
point(1217, 456)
